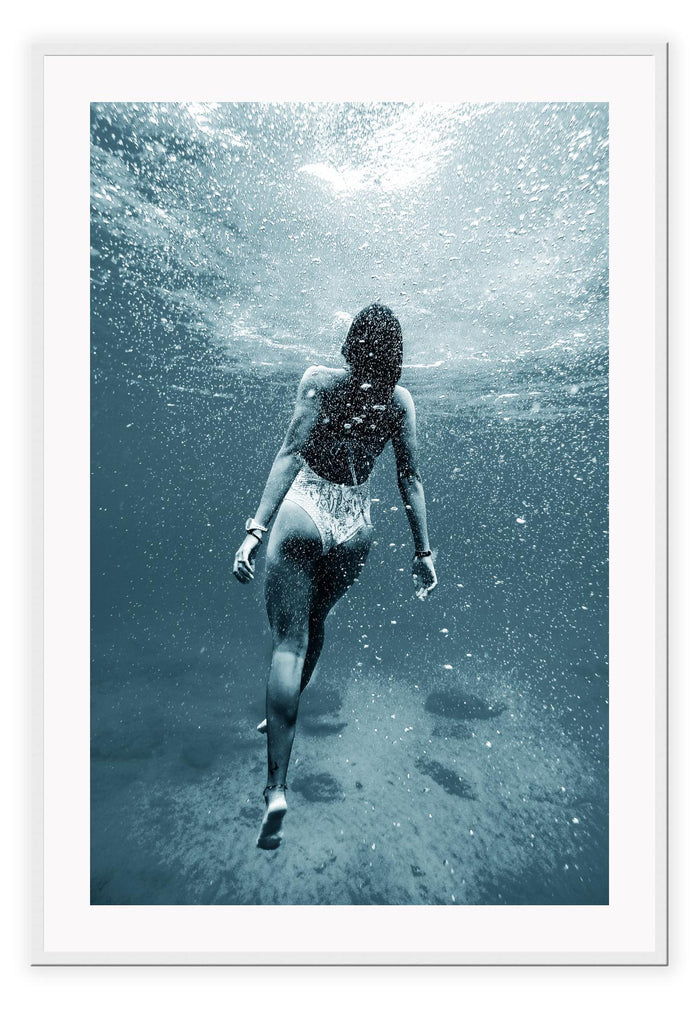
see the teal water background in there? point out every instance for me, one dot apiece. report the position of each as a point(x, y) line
point(231, 245)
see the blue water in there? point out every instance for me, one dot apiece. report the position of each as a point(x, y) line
point(451, 751)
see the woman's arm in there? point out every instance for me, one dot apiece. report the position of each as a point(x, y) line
point(412, 491)
point(284, 468)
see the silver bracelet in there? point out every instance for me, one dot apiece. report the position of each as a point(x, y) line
point(255, 528)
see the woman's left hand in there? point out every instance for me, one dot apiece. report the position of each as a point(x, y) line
point(424, 576)
point(243, 566)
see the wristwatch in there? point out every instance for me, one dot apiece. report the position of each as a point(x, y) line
point(255, 528)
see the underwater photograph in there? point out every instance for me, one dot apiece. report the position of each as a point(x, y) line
point(349, 503)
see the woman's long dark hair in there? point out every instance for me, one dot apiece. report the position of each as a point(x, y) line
point(373, 347)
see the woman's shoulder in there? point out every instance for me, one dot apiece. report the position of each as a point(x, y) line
point(402, 399)
point(320, 377)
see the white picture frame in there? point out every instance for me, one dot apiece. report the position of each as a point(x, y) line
point(632, 77)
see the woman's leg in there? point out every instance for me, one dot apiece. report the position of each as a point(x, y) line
point(316, 637)
point(294, 551)
point(334, 574)
point(300, 588)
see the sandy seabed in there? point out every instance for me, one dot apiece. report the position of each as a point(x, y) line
point(466, 794)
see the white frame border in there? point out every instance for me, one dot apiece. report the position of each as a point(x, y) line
point(436, 46)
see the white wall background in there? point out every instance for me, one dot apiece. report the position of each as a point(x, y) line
point(493, 994)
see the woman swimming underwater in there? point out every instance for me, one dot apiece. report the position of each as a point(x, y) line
point(319, 483)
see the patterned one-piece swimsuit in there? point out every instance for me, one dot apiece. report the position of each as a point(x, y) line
point(338, 510)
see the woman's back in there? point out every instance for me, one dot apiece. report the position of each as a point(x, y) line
point(355, 420)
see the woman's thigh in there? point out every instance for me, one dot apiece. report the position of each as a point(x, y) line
point(293, 554)
point(337, 570)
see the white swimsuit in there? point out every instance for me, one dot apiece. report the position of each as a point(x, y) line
point(338, 510)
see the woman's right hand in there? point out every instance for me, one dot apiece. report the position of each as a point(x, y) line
point(424, 576)
point(243, 566)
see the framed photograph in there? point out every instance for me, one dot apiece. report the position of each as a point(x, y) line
point(355, 370)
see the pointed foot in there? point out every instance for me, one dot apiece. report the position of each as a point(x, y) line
point(271, 832)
